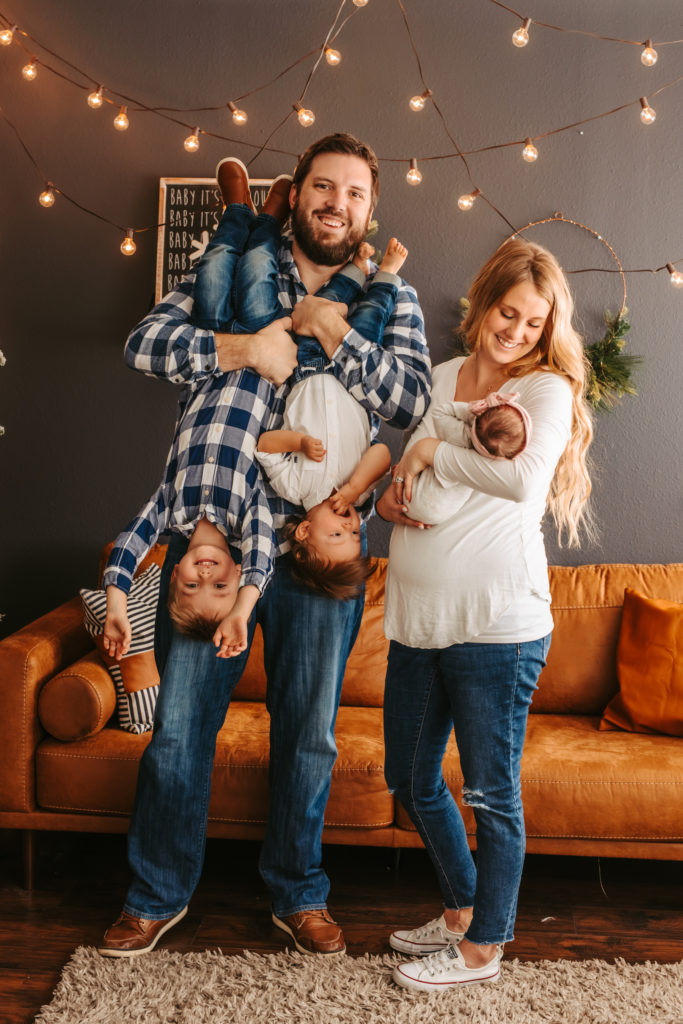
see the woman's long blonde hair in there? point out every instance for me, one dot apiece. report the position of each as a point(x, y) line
point(559, 350)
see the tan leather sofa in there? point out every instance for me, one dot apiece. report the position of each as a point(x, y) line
point(586, 792)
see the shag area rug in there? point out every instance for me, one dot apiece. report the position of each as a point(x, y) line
point(211, 988)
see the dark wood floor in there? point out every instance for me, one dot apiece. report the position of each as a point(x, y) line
point(574, 908)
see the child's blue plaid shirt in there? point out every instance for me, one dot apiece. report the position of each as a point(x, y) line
point(391, 383)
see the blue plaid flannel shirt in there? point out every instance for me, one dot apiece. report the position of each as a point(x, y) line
point(210, 471)
point(391, 382)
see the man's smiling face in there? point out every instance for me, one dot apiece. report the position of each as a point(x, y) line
point(331, 209)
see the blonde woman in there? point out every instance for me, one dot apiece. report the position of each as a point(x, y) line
point(468, 608)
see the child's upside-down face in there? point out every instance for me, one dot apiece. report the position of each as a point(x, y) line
point(207, 581)
point(335, 538)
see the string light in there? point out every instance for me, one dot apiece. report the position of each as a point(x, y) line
point(333, 57)
point(529, 153)
point(121, 121)
point(306, 117)
point(521, 36)
point(417, 103)
point(95, 98)
point(466, 202)
point(647, 114)
point(47, 197)
point(360, 3)
point(128, 246)
point(191, 143)
point(676, 276)
point(649, 55)
point(239, 117)
point(30, 70)
point(413, 177)
point(7, 35)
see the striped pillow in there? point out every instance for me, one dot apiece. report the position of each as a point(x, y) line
point(135, 677)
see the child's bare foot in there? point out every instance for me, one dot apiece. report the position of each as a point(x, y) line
point(363, 254)
point(394, 257)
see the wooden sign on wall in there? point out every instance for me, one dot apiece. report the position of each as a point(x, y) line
point(189, 211)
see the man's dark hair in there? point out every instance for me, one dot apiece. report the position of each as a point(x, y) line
point(339, 142)
point(339, 580)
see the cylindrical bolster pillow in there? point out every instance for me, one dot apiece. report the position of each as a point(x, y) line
point(79, 701)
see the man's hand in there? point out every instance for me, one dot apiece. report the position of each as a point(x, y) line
point(313, 448)
point(322, 319)
point(270, 352)
point(391, 509)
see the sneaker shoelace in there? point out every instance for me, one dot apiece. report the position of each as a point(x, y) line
point(439, 963)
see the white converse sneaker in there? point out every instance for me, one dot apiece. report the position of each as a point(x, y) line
point(431, 938)
point(444, 970)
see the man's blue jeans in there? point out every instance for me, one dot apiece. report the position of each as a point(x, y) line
point(484, 691)
point(307, 641)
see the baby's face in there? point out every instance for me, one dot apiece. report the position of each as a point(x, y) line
point(335, 538)
point(207, 581)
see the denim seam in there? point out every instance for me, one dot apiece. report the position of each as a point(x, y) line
point(428, 843)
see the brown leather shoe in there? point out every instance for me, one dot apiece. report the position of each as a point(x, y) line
point(233, 180)
point(131, 936)
point(277, 200)
point(313, 931)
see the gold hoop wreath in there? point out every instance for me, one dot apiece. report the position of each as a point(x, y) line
point(611, 371)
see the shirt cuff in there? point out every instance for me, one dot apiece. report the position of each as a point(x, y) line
point(116, 578)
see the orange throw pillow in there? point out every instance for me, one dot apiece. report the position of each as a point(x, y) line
point(649, 667)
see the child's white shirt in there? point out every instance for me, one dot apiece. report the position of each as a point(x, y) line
point(322, 407)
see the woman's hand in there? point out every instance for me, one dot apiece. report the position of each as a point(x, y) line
point(413, 462)
point(392, 510)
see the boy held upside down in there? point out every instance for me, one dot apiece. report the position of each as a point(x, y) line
point(322, 459)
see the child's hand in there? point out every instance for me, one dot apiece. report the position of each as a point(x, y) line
point(117, 634)
point(313, 448)
point(231, 636)
point(342, 498)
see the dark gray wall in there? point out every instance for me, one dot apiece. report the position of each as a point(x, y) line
point(86, 439)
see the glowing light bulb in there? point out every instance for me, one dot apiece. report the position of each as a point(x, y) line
point(191, 143)
point(7, 35)
point(306, 117)
point(466, 202)
point(521, 36)
point(649, 55)
point(95, 99)
point(121, 121)
point(30, 70)
point(128, 246)
point(360, 3)
point(417, 103)
point(333, 57)
point(47, 198)
point(647, 114)
point(239, 117)
point(529, 153)
point(676, 276)
point(413, 177)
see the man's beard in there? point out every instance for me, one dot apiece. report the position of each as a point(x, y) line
point(326, 254)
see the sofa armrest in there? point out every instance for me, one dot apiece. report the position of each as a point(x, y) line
point(28, 658)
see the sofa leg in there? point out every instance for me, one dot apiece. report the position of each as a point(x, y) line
point(28, 857)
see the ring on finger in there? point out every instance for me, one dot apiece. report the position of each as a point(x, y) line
point(399, 480)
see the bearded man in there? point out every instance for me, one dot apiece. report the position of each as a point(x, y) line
point(307, 637)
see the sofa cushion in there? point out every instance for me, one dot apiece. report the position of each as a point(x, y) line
point(79, 701)
point(649, 668)
point(580, 783)
point(135, 676)
point(99, 774)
